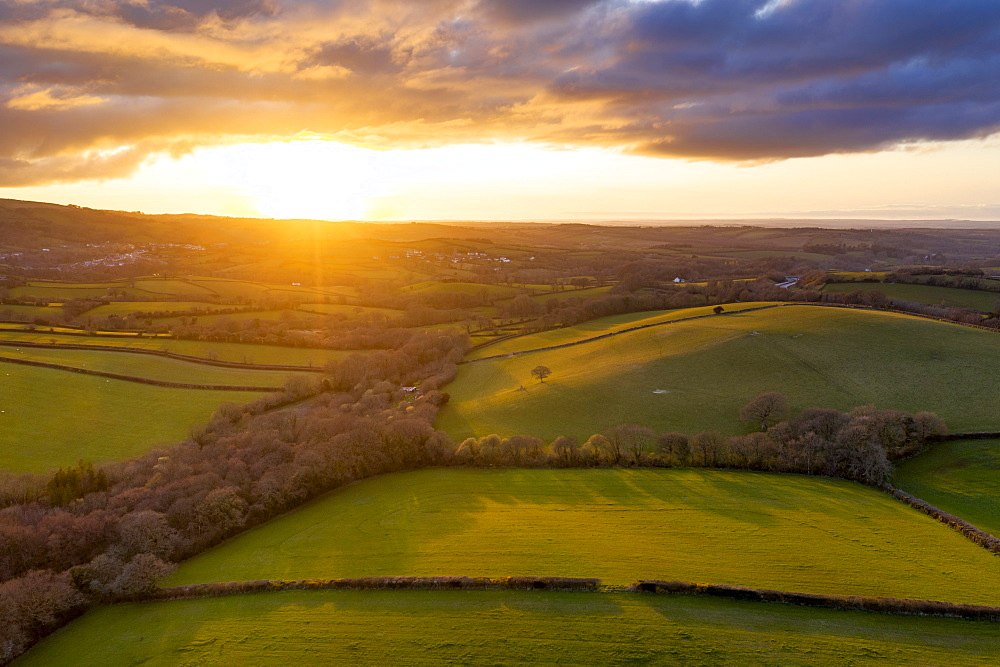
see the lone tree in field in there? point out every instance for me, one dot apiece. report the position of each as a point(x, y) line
point(541, 372)
point(767, 408)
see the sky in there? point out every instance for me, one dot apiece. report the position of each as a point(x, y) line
point(505, 109)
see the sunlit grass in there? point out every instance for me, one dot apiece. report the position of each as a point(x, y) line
point(783, 532)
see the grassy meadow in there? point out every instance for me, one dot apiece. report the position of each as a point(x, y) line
point(149, 366)
point(501, 627)
point(491, 291)
point(585, 293)
point(943, 296)
point(51, 418)
point(241, 353)
point(125, 308)
point(597, 327)
point(695, 376)
point(784, 532)
point(19, 310)
point(961, 477)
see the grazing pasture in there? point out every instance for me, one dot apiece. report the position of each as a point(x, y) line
point(939, 296)
point(585, 293)
point(51, 418)
point(125, 308)
point(215, 319)
point(597, 327)
point(496, 292)
point(347, 310)
point(149, 367)
point(695, 376)
point(786, 532)
point(961, 477)
point(169, 287)
point(241, 353)
point(502, 627)
point(20, 311)
point(63, 291)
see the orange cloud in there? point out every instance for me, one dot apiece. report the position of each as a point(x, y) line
point(718, 79)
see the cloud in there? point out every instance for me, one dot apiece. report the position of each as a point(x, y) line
point(748, 80)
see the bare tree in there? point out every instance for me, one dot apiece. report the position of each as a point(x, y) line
point(766, 408)
point(632, 439)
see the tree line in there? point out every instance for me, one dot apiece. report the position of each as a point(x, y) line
point(859, 445)
point(86, 535)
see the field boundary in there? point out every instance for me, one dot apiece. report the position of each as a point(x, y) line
point(899, 606)
point(139, 380)
point(616, 333)
point(372, 583)
point(731, 312)
point(161, 353)
point(970, 532)
point(903, 606)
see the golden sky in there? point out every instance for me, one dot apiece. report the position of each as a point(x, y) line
point(504, 109)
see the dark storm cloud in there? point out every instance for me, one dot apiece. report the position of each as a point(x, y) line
point(526, 11)
point(716, 79)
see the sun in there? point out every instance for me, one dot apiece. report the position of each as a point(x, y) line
point(303, 178)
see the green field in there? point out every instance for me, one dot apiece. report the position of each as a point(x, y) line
point(263, 315)
point(785, 532)
point(499, 627)
point(171, 287)
point(235, 352)
point(52, 418)
point(149, 367)
point(125, 308)
point(943, 296)
point(491, 291)
point(60, 292)
point(596, 327)
point(347, 310)
point(961, 477)
point(586, 293)
point(703, 371)
point(30, 311)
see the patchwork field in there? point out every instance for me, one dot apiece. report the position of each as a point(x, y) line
point(19, 311)
point(695, 376)
point(492, 291)
point(195, 288)
point(487, 627)
point(63, 292)
point(783, 532)
point(125, 308)
point(241, 353)
point(597, 327)
point(586, 293)
point(93, 418)
point(171, 287)
point(263, 315)
point(944, 296)
point(346, 310)
point(148, 366)
point(961, 477)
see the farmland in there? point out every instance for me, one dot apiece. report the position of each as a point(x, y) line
point(240, 353)
point(125, 308)
point(147, 366)
point(782, 532)
point(932, 294)
point(683, 377)
point(961, 477)
point(487, 627)
point(592, 328)
point(346, 475)
point(94, 418)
